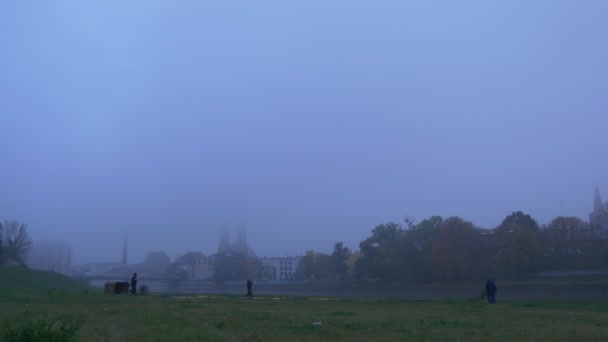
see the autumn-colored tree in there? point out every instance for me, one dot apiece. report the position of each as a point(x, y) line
point(457, 251)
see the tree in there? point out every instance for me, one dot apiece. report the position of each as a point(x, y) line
point(339, 259)
point(457, 251)
point(323, 266)
point(16, 242)
point(565, 241)
point(521, 252)
point(518, 218)
point(380, 258)
point(516, 245)
point(417, 248)
point(316, 265)
point(308, 264)
point(352, 262)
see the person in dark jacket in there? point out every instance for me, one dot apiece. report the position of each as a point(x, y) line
point(249, 285)
point(134, 283)
point(491, 291)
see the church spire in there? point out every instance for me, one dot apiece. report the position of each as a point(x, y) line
point(598, 205)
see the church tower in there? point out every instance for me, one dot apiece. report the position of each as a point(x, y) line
point(598, 218)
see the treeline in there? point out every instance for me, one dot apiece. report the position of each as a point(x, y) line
point(15, 243)
point(453, 249)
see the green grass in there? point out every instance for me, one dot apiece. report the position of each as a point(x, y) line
point(225, 318)
point(265, 318)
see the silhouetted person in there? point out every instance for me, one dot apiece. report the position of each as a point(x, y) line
point(134, 283)
point(249, 285)
point(491, 291)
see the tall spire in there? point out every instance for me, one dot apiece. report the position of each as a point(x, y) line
point(598, 205)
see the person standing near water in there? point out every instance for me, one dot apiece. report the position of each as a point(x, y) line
point(491, 291)
point(134, 283)
point(249, 285)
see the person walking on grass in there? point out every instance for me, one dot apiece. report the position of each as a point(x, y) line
point(491, 291)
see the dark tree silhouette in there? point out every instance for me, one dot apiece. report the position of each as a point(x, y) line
point(16, 242)
point(339, 258)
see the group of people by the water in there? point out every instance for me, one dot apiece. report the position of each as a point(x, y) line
point(490, 289)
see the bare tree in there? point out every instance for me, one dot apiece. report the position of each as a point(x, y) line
point(16, 243)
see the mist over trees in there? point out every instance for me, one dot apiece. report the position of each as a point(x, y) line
point(434, 249)
point(446, 250)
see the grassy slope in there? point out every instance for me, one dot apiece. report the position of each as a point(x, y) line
point(18, 279)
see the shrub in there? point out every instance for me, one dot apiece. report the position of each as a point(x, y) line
point(41, 327)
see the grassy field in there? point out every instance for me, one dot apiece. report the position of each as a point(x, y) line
point(268, 318)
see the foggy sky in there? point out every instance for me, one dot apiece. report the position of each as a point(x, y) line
point(309, 122)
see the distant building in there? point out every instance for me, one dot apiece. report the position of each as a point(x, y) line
point(195, 265)
point(240, 246)
point(279, 268)
point(53, 256)
point(234, 261)
point(598, 218)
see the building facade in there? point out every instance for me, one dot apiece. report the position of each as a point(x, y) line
point(280, 268)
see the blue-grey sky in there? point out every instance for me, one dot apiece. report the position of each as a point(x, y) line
point(309, 122)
